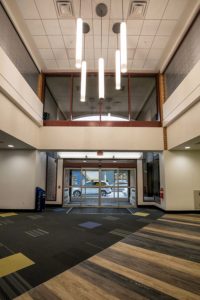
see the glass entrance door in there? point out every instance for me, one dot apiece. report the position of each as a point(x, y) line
point(101, 187)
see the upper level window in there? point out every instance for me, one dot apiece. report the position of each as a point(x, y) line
point(136, 101)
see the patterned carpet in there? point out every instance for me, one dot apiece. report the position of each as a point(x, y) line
point(159, 261)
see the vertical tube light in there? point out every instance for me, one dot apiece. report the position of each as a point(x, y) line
point(117, 70)
point(79, 42)
point(101, 79)
point(123, 46)
point(83, 80)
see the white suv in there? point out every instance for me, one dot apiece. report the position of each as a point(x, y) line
point(92, 188)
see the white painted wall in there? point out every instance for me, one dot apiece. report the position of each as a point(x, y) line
point(14, 122)
point(41, 169)
point(20, 172)
point(185, 128)
point(105, 138)
point(185, 96)
point(15, 87)
point(182, 177)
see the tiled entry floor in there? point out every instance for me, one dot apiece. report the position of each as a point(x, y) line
point(56, 241)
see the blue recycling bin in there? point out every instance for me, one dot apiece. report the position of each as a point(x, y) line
point(39, 199)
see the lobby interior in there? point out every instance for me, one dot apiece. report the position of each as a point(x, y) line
point(99, 156)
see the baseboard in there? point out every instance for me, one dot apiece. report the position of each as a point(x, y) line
point(17, 209)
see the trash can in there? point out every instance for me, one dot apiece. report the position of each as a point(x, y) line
point(39, 199)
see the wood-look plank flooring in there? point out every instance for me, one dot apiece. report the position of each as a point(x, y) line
point(160, 261)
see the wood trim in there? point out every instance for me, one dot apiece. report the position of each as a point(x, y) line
point(161, 94)
point(96, 73)
point(165, 138)
point(103, 123)
point(40, 90)
point(100, 165)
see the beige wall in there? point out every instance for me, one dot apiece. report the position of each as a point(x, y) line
point(15, 87)
point(97, 138)
point(14, 122)
point(21, 172)
point(182, 177)
point(185, 128)
point(184, 96)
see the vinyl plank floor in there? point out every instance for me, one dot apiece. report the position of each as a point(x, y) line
point(159, 261)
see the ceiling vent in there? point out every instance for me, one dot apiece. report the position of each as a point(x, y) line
point(64, 9)
point(137, 9)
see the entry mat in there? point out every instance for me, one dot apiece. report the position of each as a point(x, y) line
point(99, 210)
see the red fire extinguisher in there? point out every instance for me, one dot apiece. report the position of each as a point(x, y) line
point(161, 193)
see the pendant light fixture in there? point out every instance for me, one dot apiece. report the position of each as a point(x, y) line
point(86, 29)
point(79, 39)
point(116, 29)
point(101, 11)
point(123, 42)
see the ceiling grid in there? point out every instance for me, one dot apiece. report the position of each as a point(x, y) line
point(148, 37)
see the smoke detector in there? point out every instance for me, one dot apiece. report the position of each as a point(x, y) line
point(137, 9)
point(64, 9)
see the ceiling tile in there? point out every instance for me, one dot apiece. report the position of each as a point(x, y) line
point(151, 64)
point(166, 27)
point(145, 41)
point(86, 9)
point(112, 42)
point(63, 64)
point(130, 53)
point(175, 9)
point(156, 9)
point(28, 9)
point(97, 41)
point(89, 54)
point(150, 27)
point(71, 53)
point(97, 27)
point(90, 64)
point(137, 63)
point(46, 53)
point(132, 41)
point(35, 27)
point(51, 27)
point(72, 64)
point(56, 41)
point(116, 9)
point(41, 41)
point(160, 42)
point(50, 64)
point(68, 27)
point(60, 54)
point(134, 27)
point(129, 63)
point(111, 55)
point(97, 53)
point(89, 41)
point(141, 54)
point(46, 9)
point(70, 41)
point(155, 54)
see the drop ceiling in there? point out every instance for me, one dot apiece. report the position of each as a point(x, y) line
point(148, 38)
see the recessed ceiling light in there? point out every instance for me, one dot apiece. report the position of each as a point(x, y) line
point(187, 147)
point(11, 146)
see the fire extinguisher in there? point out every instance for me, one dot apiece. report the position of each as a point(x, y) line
point(161, 193)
